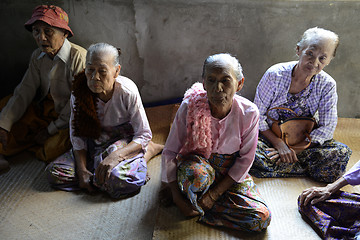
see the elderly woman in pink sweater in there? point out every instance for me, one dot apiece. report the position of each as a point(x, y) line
point(210, 149)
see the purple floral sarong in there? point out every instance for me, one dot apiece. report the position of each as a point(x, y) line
point(126, 178)
point(335, 218)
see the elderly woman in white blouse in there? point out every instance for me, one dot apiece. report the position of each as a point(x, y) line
point(109, 130)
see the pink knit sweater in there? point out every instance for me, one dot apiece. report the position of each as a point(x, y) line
point(198, 122)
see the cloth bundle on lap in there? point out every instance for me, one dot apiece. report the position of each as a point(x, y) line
point(127, 177)
point(335, 218)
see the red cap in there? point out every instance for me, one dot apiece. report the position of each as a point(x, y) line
point(52, 15)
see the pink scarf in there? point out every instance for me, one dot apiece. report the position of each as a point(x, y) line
point(198, 122)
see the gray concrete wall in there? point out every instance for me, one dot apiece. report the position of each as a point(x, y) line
point(164, 42)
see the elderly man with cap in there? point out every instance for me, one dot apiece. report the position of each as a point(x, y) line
point(36, 116)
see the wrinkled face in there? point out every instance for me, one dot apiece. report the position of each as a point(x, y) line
point(220, 84)
point(313, 58)
point(101, 73)
point(49, 39)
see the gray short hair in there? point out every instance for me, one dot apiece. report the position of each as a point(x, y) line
point(314, 32)
point(228, 58)
point(104, 48)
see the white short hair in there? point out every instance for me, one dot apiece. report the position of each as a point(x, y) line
point(228, 58)
point(104, 48)
point(315, 32)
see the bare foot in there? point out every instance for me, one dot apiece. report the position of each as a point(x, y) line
point(3, 163)
point(153, 150)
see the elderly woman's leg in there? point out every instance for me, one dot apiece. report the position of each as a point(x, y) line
point(61, 173)
point(195, 176)
point(241, 208)
point(326, 162)
point(264, 166)
point(127, 177)
point(153, 150)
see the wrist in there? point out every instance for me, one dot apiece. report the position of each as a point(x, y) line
point(331, 188)
point(278, 143)
point(337, 185)
point(116, 157)
point(214, 195)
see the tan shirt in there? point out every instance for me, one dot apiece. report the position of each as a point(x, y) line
point(46, 75)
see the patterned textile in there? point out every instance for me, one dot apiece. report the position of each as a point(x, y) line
point(297, 103)
point(335, 218)
point(23, 132)
point(324, 163)
point(126, 178)
point(241, 207)
point(320, 96)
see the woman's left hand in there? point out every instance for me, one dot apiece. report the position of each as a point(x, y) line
point(207, 201)
point(103, 171)
point(282, 155)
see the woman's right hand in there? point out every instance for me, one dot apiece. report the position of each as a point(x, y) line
point(4, 135)
point(283, 153)
point(85, 178)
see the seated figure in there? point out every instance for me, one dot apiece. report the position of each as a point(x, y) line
point(307, 91)
point(210, 149)
point(109, 130)
point(36, 116)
